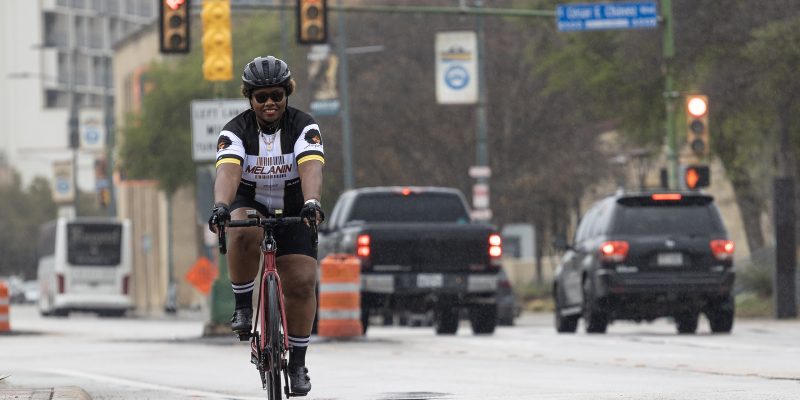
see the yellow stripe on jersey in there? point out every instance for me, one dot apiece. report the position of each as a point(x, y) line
point(228, 161)
point(311, 158)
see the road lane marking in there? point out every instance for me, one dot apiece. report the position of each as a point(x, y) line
point(143, 385)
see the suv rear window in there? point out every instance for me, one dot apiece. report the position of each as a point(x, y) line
point(685, 219)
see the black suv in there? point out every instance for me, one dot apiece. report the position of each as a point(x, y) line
point(642, 256)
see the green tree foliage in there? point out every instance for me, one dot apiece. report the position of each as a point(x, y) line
point(22, 213)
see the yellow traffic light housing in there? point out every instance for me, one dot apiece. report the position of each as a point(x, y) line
point(217, 46)
point(312, 21)
point(174, 26)
point(696, 176)
point(697, 124)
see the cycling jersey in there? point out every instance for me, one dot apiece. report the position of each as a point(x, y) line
point(269, 162)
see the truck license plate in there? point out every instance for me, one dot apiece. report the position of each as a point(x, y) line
point(670, 259)
point(430, 280)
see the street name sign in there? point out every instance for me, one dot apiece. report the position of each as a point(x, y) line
point(603, 16)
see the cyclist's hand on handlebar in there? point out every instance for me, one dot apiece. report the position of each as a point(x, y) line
point(312, 213)
point(220, 214)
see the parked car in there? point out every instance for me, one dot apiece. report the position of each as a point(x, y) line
point(15, 289)
point(642, 256)
point(30, 290)
point(508, 307)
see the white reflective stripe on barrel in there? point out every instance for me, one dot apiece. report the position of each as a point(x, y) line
point(340, 314)
point(339, 287)
point(3, 317)
point(3, 301)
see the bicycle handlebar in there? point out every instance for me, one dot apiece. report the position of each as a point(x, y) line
point(265, 223)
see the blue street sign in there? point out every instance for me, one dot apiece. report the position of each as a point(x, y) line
point(600, 16)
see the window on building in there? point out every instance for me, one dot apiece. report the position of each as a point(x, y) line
point(56, 99)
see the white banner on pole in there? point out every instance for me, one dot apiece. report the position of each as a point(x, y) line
point(208, 119)
point(457, 67)
point(92, 130)
point(63, 189)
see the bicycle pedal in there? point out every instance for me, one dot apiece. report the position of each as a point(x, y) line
point(292, 394)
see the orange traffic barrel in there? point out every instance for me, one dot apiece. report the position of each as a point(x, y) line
point(340, 296)
point(5, 323)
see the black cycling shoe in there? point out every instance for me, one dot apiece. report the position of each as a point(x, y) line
point(242, 320)
point(300, 382)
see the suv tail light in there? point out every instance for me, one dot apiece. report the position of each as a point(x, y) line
point(614, 251)
point(722, 249)
point(666, 197)
point(362, 246)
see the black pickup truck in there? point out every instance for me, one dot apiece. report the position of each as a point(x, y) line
point(420, 253)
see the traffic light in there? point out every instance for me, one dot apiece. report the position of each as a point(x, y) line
point(217, 50)
point(174, 26)
point(312, 21)
point(696, 176)
point(697, 124)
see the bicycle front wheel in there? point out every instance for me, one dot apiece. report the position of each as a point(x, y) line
point(274, 339)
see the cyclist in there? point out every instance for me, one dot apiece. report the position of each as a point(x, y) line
point(270, 157)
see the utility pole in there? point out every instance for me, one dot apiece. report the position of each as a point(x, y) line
point(481, 146)
point(108, 110)
point(347, 145)
point(73, 131)
point(670, 95)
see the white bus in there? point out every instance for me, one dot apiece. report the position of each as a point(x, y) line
point(84, 265)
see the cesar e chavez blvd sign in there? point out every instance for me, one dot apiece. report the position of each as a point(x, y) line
point(601, 16)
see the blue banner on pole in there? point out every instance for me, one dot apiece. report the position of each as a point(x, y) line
point(603, 16)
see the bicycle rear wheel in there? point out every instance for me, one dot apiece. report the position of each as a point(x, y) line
point(274, 339)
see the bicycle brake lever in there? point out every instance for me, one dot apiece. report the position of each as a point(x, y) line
point(315, 234)
point(223, 249)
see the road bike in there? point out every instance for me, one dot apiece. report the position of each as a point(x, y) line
point(269, 342)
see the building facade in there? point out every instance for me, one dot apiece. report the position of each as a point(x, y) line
point(57, 58)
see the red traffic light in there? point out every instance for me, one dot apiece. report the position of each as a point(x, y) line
point(174, 4)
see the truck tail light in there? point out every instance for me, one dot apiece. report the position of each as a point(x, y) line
point(722, 249)
point(495, 249)
point(60, 283)
point(614, 251)
point(125, 283)
point(362, 246)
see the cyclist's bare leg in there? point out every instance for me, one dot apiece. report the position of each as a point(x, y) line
point(298, 277)
point(244, 249)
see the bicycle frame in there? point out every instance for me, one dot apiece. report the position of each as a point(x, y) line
point(262, 352)
point(268, 269)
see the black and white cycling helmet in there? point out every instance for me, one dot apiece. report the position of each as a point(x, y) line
point(267, 71)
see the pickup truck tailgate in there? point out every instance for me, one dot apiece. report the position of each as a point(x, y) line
point(429, 247)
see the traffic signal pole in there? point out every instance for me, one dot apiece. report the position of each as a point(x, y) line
point(670, 95)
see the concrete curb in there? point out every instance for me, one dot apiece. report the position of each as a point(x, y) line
point(54, 393)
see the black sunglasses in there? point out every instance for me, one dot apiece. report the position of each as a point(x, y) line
point(276, 96)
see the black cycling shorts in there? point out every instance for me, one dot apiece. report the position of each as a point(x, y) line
point(291, 239)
